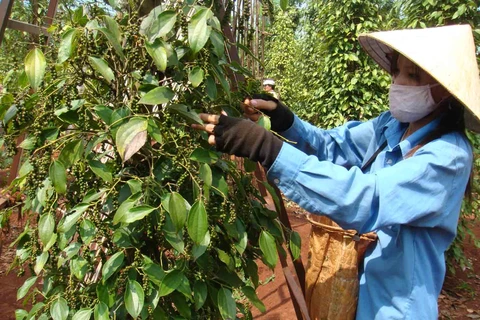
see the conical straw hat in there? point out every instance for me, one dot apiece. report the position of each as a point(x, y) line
point(446, 53)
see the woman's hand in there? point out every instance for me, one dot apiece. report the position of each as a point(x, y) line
point(280, 116)
point(211, 120)
point(251, 107)
point(241, 138)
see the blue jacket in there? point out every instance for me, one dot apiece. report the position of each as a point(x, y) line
point(413, 203)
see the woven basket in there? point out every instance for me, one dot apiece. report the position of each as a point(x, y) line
point(332, 271)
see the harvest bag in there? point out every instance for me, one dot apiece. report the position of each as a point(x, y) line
point(331, 279)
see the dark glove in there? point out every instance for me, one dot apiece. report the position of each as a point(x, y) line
point(281, 117)
point(244, 138)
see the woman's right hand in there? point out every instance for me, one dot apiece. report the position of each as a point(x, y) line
point(281, 117)
point(258, 104)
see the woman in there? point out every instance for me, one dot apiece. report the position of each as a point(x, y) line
point(411, 194)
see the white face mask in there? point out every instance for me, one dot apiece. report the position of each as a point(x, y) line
point(411, 103)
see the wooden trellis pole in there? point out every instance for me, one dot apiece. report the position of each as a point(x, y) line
point(5, 22)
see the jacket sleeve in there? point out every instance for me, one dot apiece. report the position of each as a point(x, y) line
point(345, 145)
point(423, 190)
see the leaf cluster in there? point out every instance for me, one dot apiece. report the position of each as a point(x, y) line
point(133, 213)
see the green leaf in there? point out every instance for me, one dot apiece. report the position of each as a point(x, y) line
point(113, 41)
point(206, 174)
point(198, 30)
point(131, 137)
point(67, 45)
point(185, 111)
point(269, 248)
point(101, 66)
point(23, 290)
point(199, 250)
point(155, 273)
point(35, 65)
point(10, 114)
point(125, 206)
point(211, 88)
point(218, 43)
point(40, 262)
point(196, 76)
point(156, 96)
point(284, 4)
point(226, 304)
point(197, 225)
point(101, 311)
point(58, 176)
point(199, 294)
point(204, 155)
point(295, 244)
point(134, 298)
point(250, 293)
point(113, 28)
point(68, 221)
point(71, 153)
point(101, 170)
point(163, 24)
point(46, 225)
point(104, 113)
point(79, 267)
point(87, 231)
point(59, 309)
point(112, 265)
point(157, 25)
point(170, 283)
point(82, 314)
point(137, 213)
point(219, 183)
point(68, 253)
point(159, 54)
point(264, 121)
point(177, 208)
point(154, 131)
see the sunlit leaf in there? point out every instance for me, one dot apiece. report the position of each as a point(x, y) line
point(82, 314)
point(197, 224)
point(156, 96)
point(46, 225)
point(158, 52)
point(250, 293)
point(198, 30)
point(35, 65)
point(137, 213)
point(71, 153)
point(101, 311)
point(187, 113)
point(295, 244)
point(59, 309)
point(23, 290)
point(264, 121)
point(171, 282)
point(195, 76)
point(269, 248)
point(177, 209)
point(101, 66)
point(134, 298)
point(58, 176)
point(101, 170)
point(226, 304)
point(67, 45)
point(131, 137)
